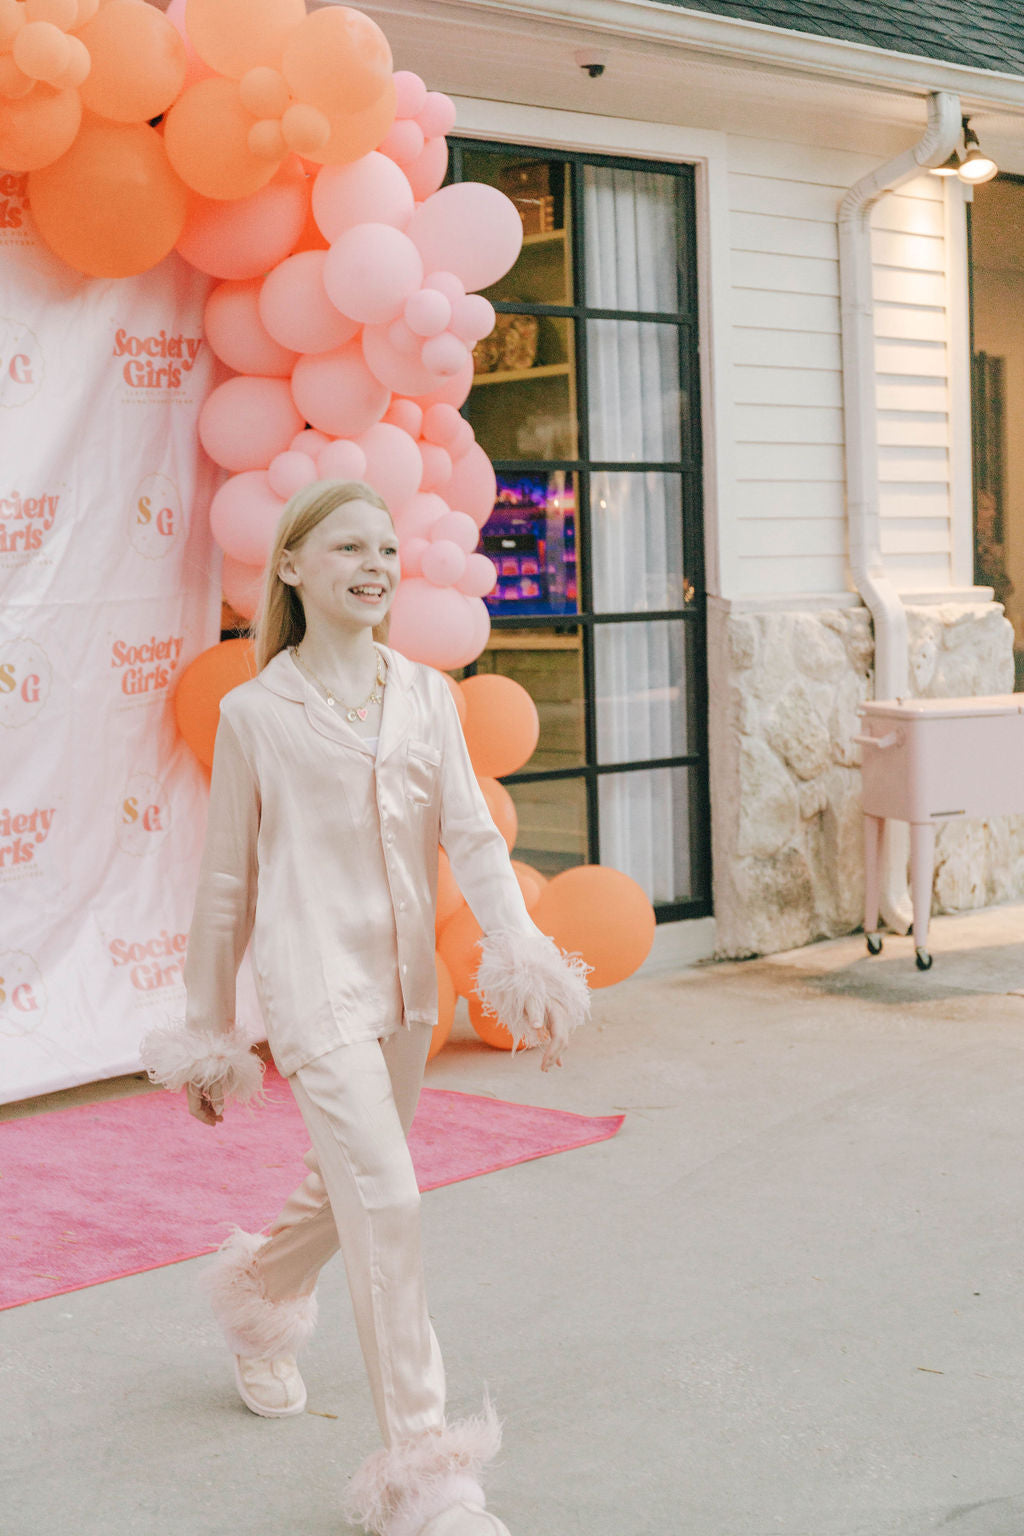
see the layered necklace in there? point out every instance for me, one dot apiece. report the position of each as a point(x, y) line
point(351, 711)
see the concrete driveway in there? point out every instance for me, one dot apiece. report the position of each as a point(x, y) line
point(784, 1301)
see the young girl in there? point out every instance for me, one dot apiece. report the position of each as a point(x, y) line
point(337, 773)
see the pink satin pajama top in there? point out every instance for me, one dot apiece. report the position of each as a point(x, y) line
point(327, 858)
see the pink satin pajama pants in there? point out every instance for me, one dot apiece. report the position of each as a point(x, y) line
point(358, 1102)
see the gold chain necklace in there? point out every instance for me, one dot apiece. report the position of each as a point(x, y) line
point(352, 711)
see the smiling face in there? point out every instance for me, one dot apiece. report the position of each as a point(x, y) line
point(346, 569)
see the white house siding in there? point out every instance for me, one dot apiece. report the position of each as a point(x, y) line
point(787, 372)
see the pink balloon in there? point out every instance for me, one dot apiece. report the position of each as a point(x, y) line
point(247, 237)
point(481, 622)
point(444, 355)
point(456, 528)
point(472, 487)
point(393, 463)
point(443, 425)
point(372, 190)
point(405, 414)
point(410, 93)
point(426, 173)
point(244, 516)
point(295, 309)
point(370, 271)
point(401, 371)
point(470, 229)
point(403, 143)
point(437, 115)
point(289, 472)
point(242, 585)
point(237, 334)
point(342, 460)
point(447, 283)
point(403, 339)
point(437, 467)
point(337, 393)
point(309, 442)
point(443, 563)
point(427, 312)
point(435, 625)
point(247, 421)
point(410, 555)
point(473, 318)
point(415, 519)
point(450, 391)
point(463, 441)
point(479, 577)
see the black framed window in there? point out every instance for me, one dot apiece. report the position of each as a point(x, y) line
point(586, 398)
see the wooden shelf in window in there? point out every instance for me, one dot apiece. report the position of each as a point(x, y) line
point(518, 375)
point(548, 237)
point(515, 640)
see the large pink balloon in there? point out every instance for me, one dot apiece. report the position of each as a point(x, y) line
point(436, 625)
point(472, 487)
point(393, 463)
point(242, 585)
point(246, 422)
point(337, 393)
point(470, 229)
point(443, 563)
point(247, 237)
point(372, 190)
point(237, 334)
point(417, 517)
point(370, 271)
point(295, 309)
point(244, 516)
point(479, 577)
point(454, 391)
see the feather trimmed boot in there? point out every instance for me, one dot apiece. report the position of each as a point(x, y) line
point(264, 1335)
point(429, 1486)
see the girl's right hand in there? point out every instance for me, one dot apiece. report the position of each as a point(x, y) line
point(206, 1105)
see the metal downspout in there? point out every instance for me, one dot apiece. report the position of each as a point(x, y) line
point(892, 667)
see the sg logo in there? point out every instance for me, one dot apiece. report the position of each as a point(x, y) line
point(157, 517)
point(21, 364)
point(22, 994)
point(25, 677)
point(143, 815)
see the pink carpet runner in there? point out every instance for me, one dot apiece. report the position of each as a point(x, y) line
point(97, 1191)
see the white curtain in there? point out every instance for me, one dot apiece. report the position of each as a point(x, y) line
point(633, 254)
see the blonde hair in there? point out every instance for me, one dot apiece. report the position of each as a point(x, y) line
point(280, 620)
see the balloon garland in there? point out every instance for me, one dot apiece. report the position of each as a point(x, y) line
point(279, 153)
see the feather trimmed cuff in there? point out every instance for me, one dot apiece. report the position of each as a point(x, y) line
point(524, 975)
point(175, 1056)
point(401, 1487)
point(254, 1325)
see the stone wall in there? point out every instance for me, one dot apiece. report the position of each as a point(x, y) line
point(785, 778)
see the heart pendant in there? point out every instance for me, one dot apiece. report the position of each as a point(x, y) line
point(362, 713)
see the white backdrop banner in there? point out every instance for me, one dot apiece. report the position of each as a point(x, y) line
point(109, 587)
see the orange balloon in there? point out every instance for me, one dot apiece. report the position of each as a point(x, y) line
point(233, 36)
point(502, 808)
point(446, 999)
point(201, 687)
point(138, 62)
point(457, 695)
point(502, 725)
point(458, 946)
point(207, 138)
point(601, 914)
point(12, 19)
point(531, 883)
point(488, 1026)
point(41, 51)
point(311, 238)
point(449, 897)
point(355, 134)
point(38, 129)
point(337, 55)
point(111, 206)
point(62, 13)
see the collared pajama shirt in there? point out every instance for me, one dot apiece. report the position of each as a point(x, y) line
point(327, 858)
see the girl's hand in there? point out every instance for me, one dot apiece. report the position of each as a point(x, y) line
point(206, 1106)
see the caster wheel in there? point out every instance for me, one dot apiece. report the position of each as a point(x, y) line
point(924, 959)
point(874, 943)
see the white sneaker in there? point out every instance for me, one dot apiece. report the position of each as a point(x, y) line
point(464, 1519)
point(272, 1388)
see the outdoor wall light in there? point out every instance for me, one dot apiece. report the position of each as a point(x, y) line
point(968, 160)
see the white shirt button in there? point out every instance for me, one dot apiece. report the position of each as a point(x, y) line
point(401, 906)
point(405, 970)
point(390, 839)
